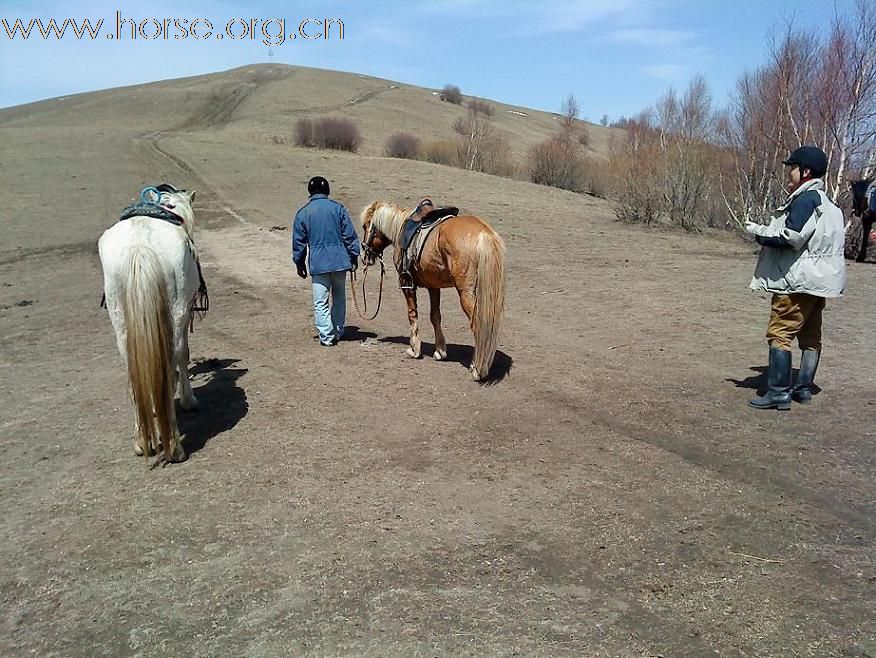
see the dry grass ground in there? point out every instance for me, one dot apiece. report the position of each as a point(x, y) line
point(610, 495)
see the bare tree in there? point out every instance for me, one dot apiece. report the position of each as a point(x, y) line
point(570, 112)
point(849, 64)
point(571, 122)
point(480, 146)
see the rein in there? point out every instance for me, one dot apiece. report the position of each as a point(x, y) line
point(362, 314)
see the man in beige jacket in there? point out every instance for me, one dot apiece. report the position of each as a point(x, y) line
point(802, 264)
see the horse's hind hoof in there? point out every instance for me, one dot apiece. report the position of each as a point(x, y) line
point(178, 457)
point(439, 355)
point(412, 354)
point(475, 374)
point(138, 449)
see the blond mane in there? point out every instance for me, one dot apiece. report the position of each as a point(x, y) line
point(386, 217)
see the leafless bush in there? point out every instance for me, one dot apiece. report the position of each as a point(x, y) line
point(495, 156)
point(328, 133)
point(634, 185)
point(304, 134)
point(596, 178)
point(480, 106)
point(337, 133)
point(440, 152)
point(402, 145)
point(558, 162)
point(451, 94)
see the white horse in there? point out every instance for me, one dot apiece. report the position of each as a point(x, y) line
point(151, 280)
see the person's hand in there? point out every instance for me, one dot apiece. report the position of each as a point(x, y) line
point(354, 262)
point(302, 269)
point(753, 227)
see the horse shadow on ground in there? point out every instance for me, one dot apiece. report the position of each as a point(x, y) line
point(221, 403)
point(462, 354)
point(758, 382)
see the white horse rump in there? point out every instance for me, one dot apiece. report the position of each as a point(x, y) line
point(151, 279)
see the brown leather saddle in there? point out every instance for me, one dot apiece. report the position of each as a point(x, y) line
point(424, 215)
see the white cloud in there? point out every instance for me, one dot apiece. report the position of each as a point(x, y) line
point(670, 72)
point(649, 37)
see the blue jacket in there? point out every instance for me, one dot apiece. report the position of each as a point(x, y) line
point(323, 227)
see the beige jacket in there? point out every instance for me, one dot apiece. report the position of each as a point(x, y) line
point(813, 261)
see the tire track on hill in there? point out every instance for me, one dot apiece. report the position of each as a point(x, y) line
point(356, 100)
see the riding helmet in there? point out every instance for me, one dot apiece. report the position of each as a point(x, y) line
point(318, 185)
point(811, 157)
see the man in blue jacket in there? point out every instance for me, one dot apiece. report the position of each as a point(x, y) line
point(323, 228)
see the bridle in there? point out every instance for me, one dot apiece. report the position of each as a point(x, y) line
point(369, 253)
point(370, 257)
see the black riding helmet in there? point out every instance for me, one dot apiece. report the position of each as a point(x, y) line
point(318, 185)
point(811, 157)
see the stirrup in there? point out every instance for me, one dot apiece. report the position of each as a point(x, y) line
point(405, 281)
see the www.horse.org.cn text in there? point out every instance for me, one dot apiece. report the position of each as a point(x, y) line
point(270, 31)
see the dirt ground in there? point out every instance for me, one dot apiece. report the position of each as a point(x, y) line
point(609, 494)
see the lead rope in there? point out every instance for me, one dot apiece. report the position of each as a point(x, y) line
point(364, 296)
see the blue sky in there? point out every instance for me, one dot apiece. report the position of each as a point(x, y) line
point(616, 56)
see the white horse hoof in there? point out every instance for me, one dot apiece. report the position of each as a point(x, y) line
point(475, 374)
point(138, 449)
point(439, 355)
point(189, 405)
point(410, 352)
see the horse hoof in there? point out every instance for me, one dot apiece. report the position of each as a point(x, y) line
point(138, 449)
point(475, 374)
point(412, 354)
point(179, 455)
point(439, 355)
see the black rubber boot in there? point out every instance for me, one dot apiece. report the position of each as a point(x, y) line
point(778, 395)
point(808, 365)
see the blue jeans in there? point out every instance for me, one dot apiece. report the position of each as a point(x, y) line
point(329, 321)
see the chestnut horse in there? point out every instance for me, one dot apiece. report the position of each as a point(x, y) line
point(462, 252)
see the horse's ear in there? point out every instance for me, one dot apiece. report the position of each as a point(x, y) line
point(192, 195)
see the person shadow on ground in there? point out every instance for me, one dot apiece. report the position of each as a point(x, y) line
point(758, 382)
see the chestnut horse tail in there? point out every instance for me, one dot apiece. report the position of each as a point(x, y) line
point(149, 346)
point(489, 301)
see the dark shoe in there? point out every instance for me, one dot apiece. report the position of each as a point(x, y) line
point(802, 392)
point(778, 395)
point(330, 344)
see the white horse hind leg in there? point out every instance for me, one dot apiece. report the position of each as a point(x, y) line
point(187, 399)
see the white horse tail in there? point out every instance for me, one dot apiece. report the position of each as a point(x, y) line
point(489, 301)
point(149, 346)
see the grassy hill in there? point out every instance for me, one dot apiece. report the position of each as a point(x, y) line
point(612, 494)
point(266, 99)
